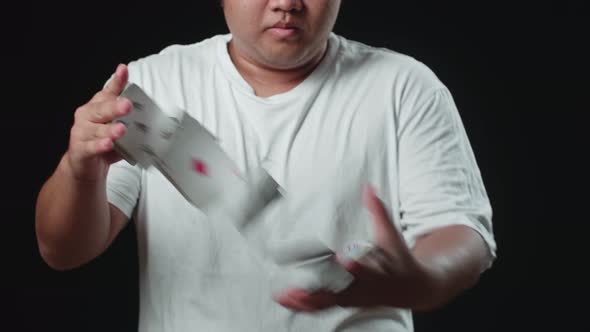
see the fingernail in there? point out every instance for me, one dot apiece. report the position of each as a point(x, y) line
point(119, 130)
point(124, 105)
point(118, 70)
point(107, 144)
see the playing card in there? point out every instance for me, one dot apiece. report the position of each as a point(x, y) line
point(299, 250)
point(318, 274)
point(191, 159)
point(149, 132)
point(327, 275)
point(243, 203)
point(356, 251)
point(198, 167)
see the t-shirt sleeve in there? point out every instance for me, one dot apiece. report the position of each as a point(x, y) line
point(123, 186)
point(439, 180)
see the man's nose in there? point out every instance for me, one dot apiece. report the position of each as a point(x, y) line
point(287, 5)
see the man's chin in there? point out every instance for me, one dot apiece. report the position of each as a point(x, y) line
point(286, 58)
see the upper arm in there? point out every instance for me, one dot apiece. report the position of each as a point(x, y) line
point(455, 243)
point(440, 182)
point(118, 222)
point(123, 190)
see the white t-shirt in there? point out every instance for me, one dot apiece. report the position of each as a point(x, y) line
point(365, 115)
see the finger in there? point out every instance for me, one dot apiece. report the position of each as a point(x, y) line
point(352, 266)
point(116, 85)
point(294, 305)
point(287, 301)
point(112, 157)
point(88, 149)
point(318, 300)
point(300, 299)
point(387, 235)
point(111, 130)
point(349, 263)
point(88, 131)
point(377, 261)
point(101, 96)
point(107, 111)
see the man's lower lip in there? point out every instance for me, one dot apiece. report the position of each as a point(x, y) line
point(283, 32)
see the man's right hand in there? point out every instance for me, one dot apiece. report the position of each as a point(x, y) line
point(90, 150)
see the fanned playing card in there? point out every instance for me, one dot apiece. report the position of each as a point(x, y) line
point(149, 130)
point(197, 166)
point(189, 156)
point(309, 264)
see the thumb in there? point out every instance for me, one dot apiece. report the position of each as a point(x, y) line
point(116, 85)
point(387, 236)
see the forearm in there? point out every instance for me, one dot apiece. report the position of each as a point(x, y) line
point(72, 219)
point(453, 256)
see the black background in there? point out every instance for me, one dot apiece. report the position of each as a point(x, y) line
point(518, 73)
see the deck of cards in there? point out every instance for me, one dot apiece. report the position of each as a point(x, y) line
point(192, 160)
point(189, 156)
point(307, 263)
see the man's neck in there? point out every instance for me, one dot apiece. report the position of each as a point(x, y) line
point(267, 81)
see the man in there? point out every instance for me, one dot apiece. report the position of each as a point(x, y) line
point(329, 118)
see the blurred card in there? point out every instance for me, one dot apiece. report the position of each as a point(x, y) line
point(295, 251)
point(149, 130)
point(197, 166)
point(319, 274)
point(190, 157)
point(244, 203)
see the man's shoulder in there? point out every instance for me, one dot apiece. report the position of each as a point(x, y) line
point(199, 53)
point(383, 61)
point(203, 48)
point(354, 50)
